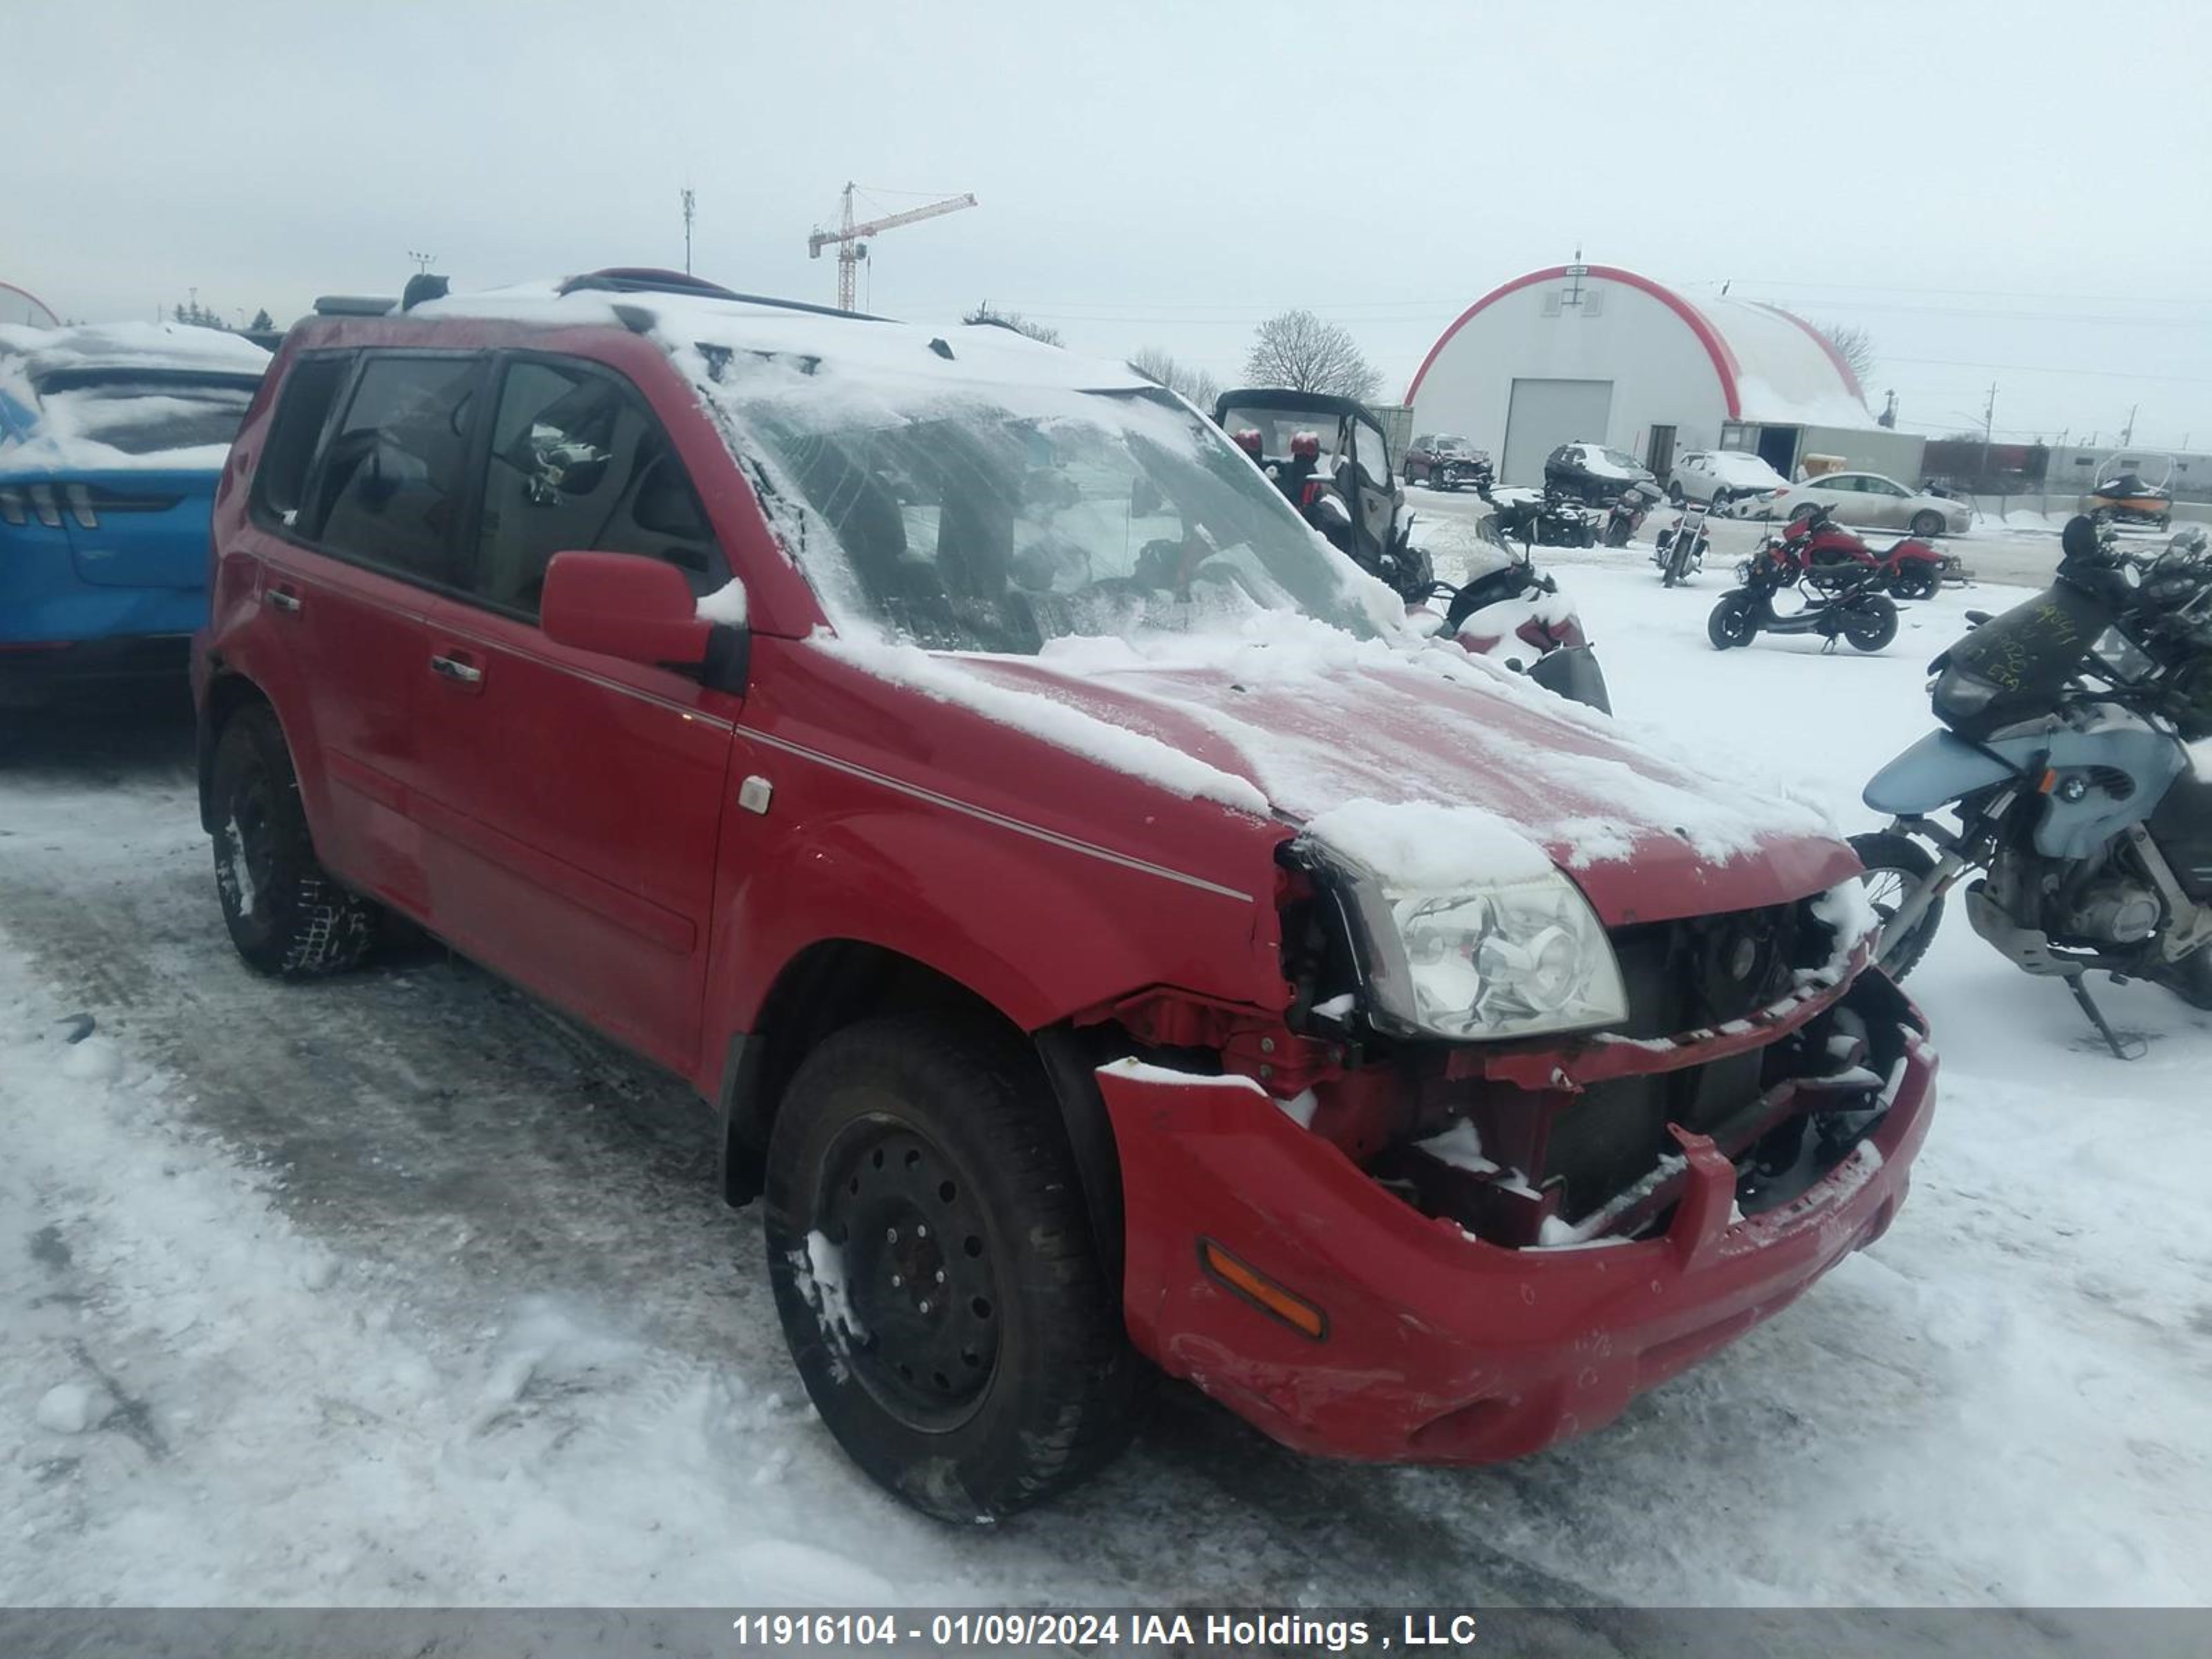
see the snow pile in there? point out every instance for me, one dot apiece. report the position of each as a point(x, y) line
point(1428, 846)
point(725, 604)
point(85, 429)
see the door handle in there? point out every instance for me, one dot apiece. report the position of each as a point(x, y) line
point(453, 668)
point(283, 600)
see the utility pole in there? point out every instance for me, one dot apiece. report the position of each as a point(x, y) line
point(2128, 432)
point(689, 200)
point(1989, 425)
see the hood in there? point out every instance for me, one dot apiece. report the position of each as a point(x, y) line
point(1315, 728)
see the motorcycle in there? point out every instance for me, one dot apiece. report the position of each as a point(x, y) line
point(1843, 597)
point(1515, 614)
point(1910, 569)
point(1554, 519)
point(1681, 548)
point(1626, 516)
point(2064, 753)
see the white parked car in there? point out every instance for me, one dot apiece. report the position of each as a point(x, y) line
point(1720, 475)
point(1863, 498)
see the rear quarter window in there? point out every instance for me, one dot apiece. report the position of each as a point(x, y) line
point(303, 410)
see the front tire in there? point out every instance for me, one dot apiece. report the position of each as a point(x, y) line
point(1928, 525)
point(287, 917)
point(1733, 622)
point(972, 1370)
point(1895, 864)
point(1871, 624)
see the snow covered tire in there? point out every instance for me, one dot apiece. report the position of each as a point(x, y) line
point(985, 1367)
point(287, 917)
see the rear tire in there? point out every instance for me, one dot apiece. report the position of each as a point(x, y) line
point(1871, 624)
point(1896, 864)
point(1732, 622)
point(1915, 581)
point(287, 916)
point(980, 1371)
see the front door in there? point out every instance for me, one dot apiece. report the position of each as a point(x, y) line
point(572, 804)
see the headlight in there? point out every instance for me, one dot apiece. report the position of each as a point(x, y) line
point(1958, 692)
point(1510, 959)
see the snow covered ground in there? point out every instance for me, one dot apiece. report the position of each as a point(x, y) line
point(398, 1289)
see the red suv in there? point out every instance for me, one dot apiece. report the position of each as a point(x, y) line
point(1108, 934)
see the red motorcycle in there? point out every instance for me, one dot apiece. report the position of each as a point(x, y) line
point(1910, 569)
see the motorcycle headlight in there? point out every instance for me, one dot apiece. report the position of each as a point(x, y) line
point(1505, 959)
point(1958, 692)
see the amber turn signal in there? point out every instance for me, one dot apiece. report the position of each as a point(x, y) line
point(1255, 1287)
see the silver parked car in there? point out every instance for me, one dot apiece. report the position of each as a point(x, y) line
point(1863, 498)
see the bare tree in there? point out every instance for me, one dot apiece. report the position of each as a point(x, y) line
point(986, 313)
point(1854, 346)
point(1187, 379)
point(1299, 351)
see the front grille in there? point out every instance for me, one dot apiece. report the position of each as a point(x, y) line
point(1681, 976)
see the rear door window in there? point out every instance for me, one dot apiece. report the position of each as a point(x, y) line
point(577, 460)
point(390, 489)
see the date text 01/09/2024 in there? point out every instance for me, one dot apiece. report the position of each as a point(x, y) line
point(1015, 1630)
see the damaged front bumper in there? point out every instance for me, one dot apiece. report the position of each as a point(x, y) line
point(1429, 1344)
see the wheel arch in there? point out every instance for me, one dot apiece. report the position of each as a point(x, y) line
point(834, 983)
point(227, 692)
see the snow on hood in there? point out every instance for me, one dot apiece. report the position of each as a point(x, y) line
point(1408, 755)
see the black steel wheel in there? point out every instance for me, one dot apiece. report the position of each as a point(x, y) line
point(286, 916)
point(936, 1273)
point(1915, 581)
point(1895, 864)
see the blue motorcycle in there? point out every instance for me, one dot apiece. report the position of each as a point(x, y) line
point(2064, 756)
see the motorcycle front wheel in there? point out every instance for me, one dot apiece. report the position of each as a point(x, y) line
point(1870, 624)
point(1895, 864)
point(1734, 622)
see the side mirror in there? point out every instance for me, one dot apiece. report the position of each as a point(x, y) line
point(622, 605)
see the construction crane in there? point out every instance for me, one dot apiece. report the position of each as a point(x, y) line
point(851, 250)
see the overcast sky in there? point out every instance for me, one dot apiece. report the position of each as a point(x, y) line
point(2014, 192)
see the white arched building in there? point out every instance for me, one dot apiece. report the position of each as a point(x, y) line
point(1593, 353)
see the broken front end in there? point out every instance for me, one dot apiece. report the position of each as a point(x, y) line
point(1502, 1168)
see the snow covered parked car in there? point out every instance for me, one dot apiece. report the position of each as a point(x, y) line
point(1110, 934)
point(1719, 475)
point(111, 438)
point(1592, 473)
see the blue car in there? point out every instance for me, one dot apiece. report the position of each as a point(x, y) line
point(112, 439)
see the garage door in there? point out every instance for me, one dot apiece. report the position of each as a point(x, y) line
point(1545, 414)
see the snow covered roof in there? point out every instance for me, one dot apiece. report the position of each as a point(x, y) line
point(980, 353)
point(167, 346)
point(1774, 367)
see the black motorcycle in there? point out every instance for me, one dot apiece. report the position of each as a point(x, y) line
point(1627, 514)
point(1843, 599)
point(1554, 519)
point(1680, 550)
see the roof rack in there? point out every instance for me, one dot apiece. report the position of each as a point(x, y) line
point(645, 279)
point(353, 304)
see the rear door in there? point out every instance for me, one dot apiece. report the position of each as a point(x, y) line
point(571, 804)
point(347, 580)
